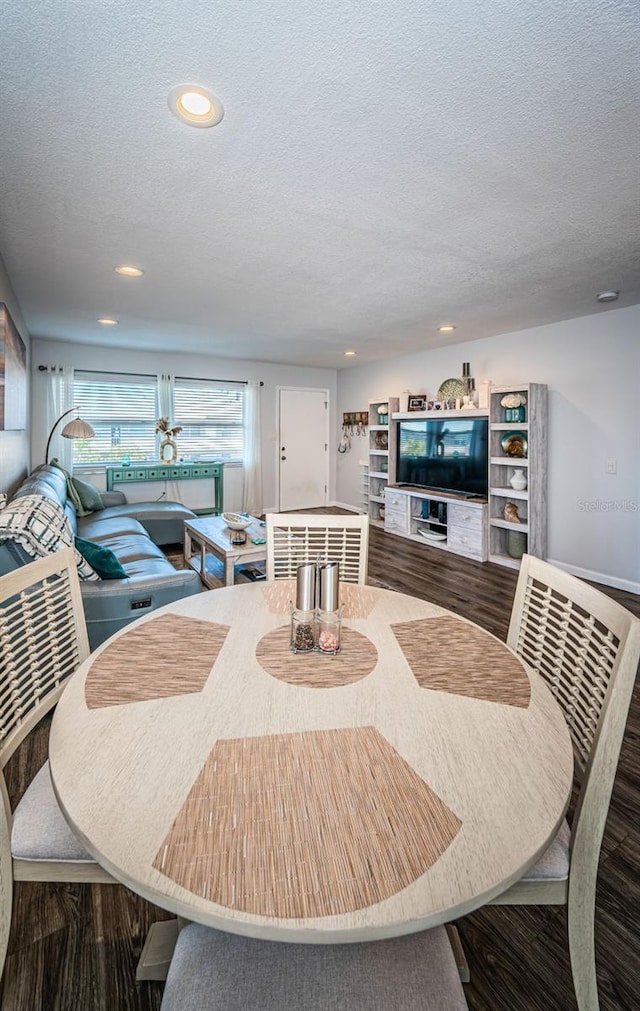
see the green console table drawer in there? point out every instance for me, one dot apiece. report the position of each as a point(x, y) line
point(164, 472)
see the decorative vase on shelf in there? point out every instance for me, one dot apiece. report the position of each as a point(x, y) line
point(518, 480)
point(516, 543)
point(514, 414)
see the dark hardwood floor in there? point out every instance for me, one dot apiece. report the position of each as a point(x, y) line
point(75, 947)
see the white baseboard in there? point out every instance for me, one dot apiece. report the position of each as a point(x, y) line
point(598, 577)
point(345, 505)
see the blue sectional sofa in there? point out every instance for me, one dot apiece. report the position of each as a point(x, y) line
point(131, 531)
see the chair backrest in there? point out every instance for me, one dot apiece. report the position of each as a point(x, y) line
point(295, 538)
point(586, 646)
point(43, 640)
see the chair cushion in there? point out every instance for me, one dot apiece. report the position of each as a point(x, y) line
point(215, 971)
point(102, 559)
point(40, 831)
point(553, 865)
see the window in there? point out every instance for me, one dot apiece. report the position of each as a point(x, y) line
point(211, 416)
point(123, 413)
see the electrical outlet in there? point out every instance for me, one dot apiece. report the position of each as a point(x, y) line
point(611, 467)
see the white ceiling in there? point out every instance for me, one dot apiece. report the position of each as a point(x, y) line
point(382, 168)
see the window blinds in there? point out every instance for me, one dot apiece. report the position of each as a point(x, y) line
point(122, 412)
point(211, 415)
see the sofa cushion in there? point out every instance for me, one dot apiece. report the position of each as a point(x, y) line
point(102, 559)
point(100, 528)
point(40, 526)
point(163, 521)
point(90, 497)
point(132, 547)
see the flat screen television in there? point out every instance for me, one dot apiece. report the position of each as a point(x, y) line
point(444, 455)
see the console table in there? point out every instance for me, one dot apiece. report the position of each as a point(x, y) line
point(170, 472)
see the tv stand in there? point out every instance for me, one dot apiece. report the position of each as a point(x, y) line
point(451, 521)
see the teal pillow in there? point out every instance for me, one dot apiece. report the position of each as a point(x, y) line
point(102, 559)
point(90, 497)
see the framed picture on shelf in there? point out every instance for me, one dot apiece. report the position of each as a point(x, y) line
point(418, 403)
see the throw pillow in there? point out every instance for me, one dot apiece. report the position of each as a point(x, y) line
point(39, 525)
point(72, 491)
point(101, 559)
point(90, 497)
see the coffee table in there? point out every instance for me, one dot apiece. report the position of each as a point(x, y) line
point(213, 537)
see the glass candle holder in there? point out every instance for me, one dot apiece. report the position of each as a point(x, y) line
point(303, 631)
point(328, 628)
point(515, 414)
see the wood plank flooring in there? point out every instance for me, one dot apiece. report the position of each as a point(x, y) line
point(75, 947)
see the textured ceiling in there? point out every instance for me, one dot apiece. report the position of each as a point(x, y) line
point(381, 168)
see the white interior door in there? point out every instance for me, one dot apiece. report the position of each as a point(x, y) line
point(303, 448)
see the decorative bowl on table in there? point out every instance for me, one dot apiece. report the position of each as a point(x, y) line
point(237, 521)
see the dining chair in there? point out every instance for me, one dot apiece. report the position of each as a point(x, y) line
point(586, 647)
point(295, 538)
point(43, 640)
point(216, 971)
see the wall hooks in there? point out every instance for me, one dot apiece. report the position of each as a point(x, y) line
point(355, 423)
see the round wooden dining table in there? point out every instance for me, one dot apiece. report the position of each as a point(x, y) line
point(304, 797)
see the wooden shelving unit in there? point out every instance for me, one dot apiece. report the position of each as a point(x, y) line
point(443, 521)
point(531, 530)
point(382, 456)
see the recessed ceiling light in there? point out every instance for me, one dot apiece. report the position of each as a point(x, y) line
point(127, 271)
point(446, 328)
point(607, 296)
point(108, 322)
point(349, 354)
point(195, 105)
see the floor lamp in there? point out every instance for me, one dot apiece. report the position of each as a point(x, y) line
point(76, 429)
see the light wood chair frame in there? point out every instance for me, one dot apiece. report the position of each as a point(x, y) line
point(587, 647)
point(43, 640)
point(336, 538)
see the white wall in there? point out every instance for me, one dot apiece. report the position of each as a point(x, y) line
point(14, 446)
point(592, 368)
point(148, 363)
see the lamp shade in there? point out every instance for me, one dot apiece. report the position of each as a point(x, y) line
point(77, 429)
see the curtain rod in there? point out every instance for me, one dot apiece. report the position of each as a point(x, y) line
point(195, 379)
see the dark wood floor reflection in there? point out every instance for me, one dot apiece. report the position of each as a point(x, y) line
point(74, 948)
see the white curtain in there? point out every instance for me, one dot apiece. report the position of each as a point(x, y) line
point(166, 386)
point(166, 390)
point(252, 456)
point(58, 399)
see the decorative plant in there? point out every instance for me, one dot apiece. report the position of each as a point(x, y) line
point(164, 428)
point(514, 400)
